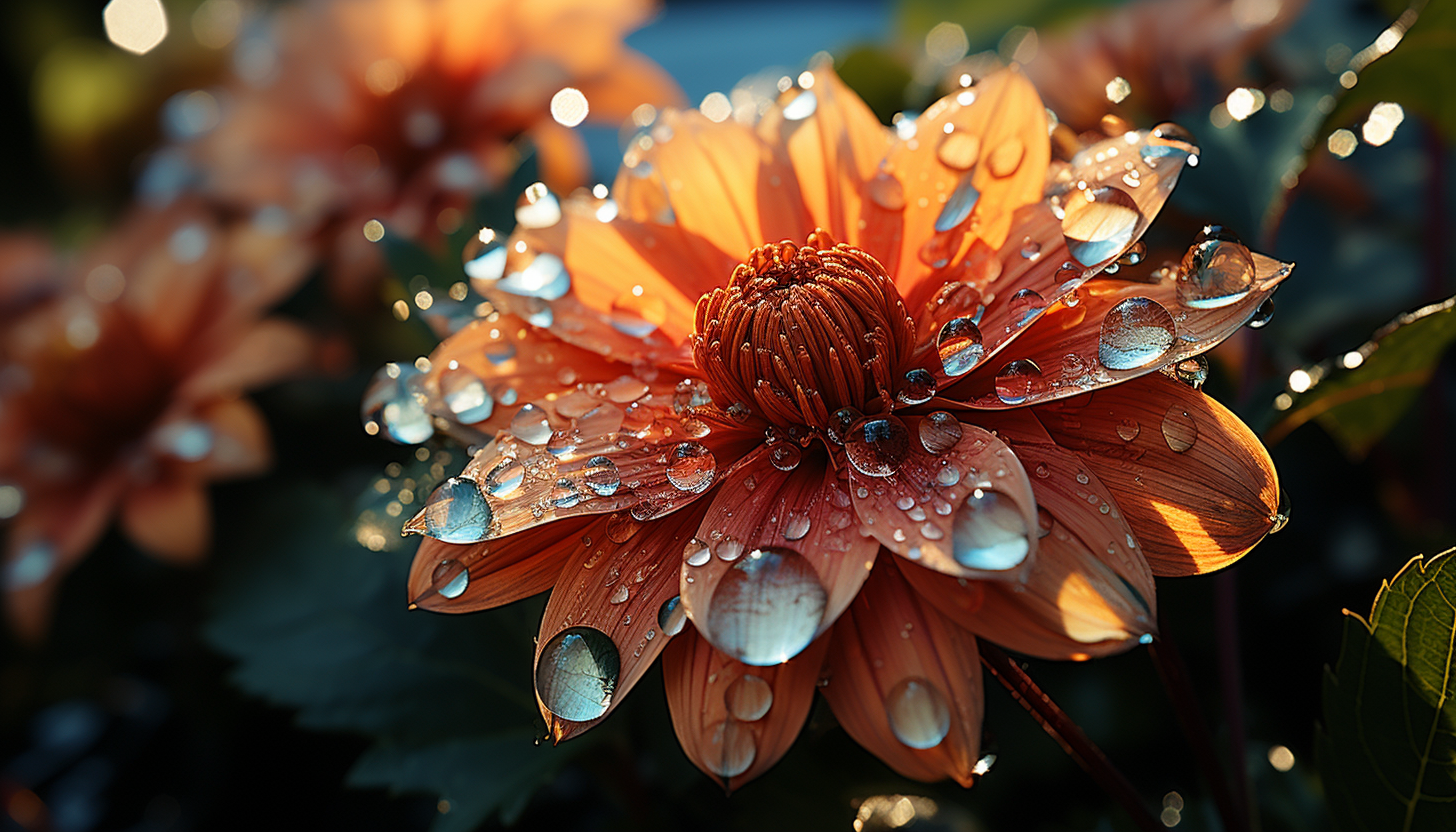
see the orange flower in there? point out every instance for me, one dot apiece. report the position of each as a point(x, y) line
point(836, 461)
point(119, 385)
point(402, 110)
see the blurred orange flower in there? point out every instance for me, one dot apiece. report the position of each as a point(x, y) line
point(120, 377)
point(402, 110)
point(916, 421)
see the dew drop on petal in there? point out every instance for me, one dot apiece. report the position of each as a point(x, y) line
point(1179, 429)
point(876, 446)
point(601, 475)
point(695, 553)
point(691, 467)
point(748, 698)
point(545, 277)
point(959, 150)
point(939, 432)
point(576, 675)
point(1135, 333)
point(530, 425)
point(785, 456)
point(1215, 273)
point(457, 512)
point(1128, 429)
point(917, 387)
point(1192, 371)
point(1025, 305)
point(1018, 381)
point(1280, 518)
point(919, 715)
point(728, 549)
point(1167, 140)
point(731, 750)
point(672, 616)
point(886, 191)
point(390, 402)
point(465, 395)
point(767, 607)
point(505, 478)
point(840, 421)
point(1099, 223)
point(958, 206)
point(1006, 158)
point(988, 532)
point(1262, 315)
point(960, 346)
point(798, 526)
point(450, 578)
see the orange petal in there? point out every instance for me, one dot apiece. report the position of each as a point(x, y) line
point(734, 720)
point(905, 682)
point(630, 80)
point(1193, 481)
point(240, 445)
point(269, 352)
point(1112, 329)
point(777, 557)
point(169, 520)
point(946, 189)
point(610, 614)
point(959, 502)
point(497, 572)
point(562, 154)
point(834, 149)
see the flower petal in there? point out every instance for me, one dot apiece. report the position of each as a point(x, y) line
point(1194, 482)
point(905, 681)
point(777, 558)
point(959, 502)
point(496, 572)
point(626, 82)
point(169, 520)
point(240, 444)
point(734, 720)
point(611, 610)
point(834, 150)
point(267, 353)
point(1113, 329)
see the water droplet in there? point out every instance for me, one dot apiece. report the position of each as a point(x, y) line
point(1030, 249)
point(465, 395)
point(798, 525)
point(767, 607)
point(785, 456)
point(1280, 518)
point(959, 150)
point(959, 345)
point(530, 425)
point(948, 475)
point(390, 402)
point(887, 192)
point(691, 467)
point(695, 552)
point(1128, 429)
point(989, 532)
point(562, 443)
point(958, 206)
point(1167, 140)
point(457, 512)
point(939, 432)
point(1135, 333)
point(919, 715)
point(1044, 522)
point(621, 527)
point(1215, 273)
point(1192, 371)
point(803, 106)
point(577, 673)
point(918, 387)
point(450, 578)
point(1099, 223)
point(876, 446)
point(1006, 158)
point(748, 698)
point(601, 475)
point(840, 421)
point(1262, 315)
point(505, 478)
point(672, 616)
point(545, 277)
point(620, 595)
point(728, 549)
point(1179, 429)
point(1018, 381)
point(1025, 305)
point(731, 751)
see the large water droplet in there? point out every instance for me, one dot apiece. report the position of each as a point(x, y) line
point(919, 715)
point(601, 475)
point(530, 425)
point(731, 750)
point(1099, 224)
point(767, 607)
point(672, 616)
point(939, 432)
point(1215, 273)
point(989, 532)
point(917, 387)
point(505, 478)
point(465, 394)
point(577, 673)
point(1006, 158)
point(748, 698)
point(840, 422)
point(545, 277)
point(1135, 333)
point(798, 525)
point(785, 456)
point(959, 345)
point(391, 403)
point(1025, 305)
point(457, 512)
point(450, 578)
point(695, 553)
point(1018, 381)
point(1179, 429)
point(876, 446)
point(691, 467)
point(959, 150)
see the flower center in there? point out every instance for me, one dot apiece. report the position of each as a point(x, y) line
point(802, 331)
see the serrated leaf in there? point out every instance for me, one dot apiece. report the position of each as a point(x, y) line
point(1387, 751)
point(1358, 406)
point(320, 624)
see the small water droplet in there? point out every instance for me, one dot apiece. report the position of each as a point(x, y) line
point(1030, 249)
point(1128, 429)
point(840, 421)
point(695, 553)
point(691, 467)
point(731, 750)
point(1099, 223)
point(887, 192)
point(798, 526)
point(939, 432)
point(785, 456)
point(959, 150)
point(1262, 315)
point(918, 713)
point(1018, 381)
point(601, 475)
point(465, 395)
point(505, 478)
point(767, 607)
point(672, 616)
point(1168, 140)
point(391, 402)
point(1179, 429)
point(577, 673)
point(917, 387)
point(1280, 518)
point(1135, 333)
point(876, 446)
point(748, 698)
point(728, 549)
point(620, 595)
point(1192, 371)
point(989, 532)
point(530, 425)
point(1025, 305)
point(457, 512)
point(1006, 158)
point(960, 347)
point(450, 579)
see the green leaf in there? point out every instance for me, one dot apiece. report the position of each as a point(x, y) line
point(1360, 405)
point(320, 624)
point(1387, 752)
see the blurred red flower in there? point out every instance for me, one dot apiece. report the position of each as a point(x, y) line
point(846, 399)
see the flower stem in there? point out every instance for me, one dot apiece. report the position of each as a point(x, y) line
point(1184, 698)
point(1068, 735)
